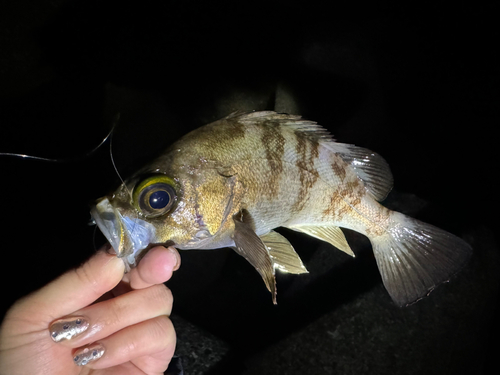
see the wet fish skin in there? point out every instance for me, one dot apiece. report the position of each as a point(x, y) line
point(242, 176)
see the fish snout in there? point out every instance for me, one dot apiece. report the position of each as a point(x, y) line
point(106, 218)
point(126, 233)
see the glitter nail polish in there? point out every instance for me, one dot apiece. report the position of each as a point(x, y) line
point(88, 354)
point(68, 328)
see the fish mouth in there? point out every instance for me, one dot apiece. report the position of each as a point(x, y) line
point(128, 236)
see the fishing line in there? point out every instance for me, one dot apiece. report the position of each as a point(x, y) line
point(113, 160)
point(71, 159)
point(123, 183)
point(110, 135)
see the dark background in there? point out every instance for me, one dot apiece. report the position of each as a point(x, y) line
point(416, 83)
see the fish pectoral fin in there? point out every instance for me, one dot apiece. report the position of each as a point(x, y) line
point(283, 254)
point(329, 233)
point(251, 247)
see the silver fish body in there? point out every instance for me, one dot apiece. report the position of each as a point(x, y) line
point(230, 183)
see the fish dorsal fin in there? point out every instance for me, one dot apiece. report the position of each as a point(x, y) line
point(370, 167)
point(251, 247)
point(283, 254)
point(329, 233)
point(309, 129)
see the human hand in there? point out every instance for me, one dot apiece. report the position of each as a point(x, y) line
point(127, 331)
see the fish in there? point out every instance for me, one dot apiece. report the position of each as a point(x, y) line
point(232, 182)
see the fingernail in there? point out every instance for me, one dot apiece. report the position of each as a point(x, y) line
point(88, 354)
point(68, 328)
point(175, 253)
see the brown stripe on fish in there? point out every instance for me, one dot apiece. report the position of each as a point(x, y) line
point(274, 147)
point(343, 200)
point(307, 152)
point(339, 167)
point(234, 130)
point(379, 222)
point(237, 129)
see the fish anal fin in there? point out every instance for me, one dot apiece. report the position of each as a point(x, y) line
point(253, 249)
point(329, 233)
point(283, 254)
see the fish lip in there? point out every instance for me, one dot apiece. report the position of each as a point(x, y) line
point(127, 235)
point(108, 222)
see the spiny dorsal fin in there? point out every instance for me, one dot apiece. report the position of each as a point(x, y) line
point(310, 129)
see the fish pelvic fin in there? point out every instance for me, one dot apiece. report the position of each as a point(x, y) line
point(253, 249)
point(329, 233)
point(283, 254)
point(414, 258)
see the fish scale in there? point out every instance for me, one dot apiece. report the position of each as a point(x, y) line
point(231, 182)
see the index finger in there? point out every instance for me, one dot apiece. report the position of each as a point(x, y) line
point(77, 288)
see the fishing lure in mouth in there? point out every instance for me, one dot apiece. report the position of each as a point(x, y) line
point(231, 182)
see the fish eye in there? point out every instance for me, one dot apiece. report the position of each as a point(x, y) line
point(154, 195)
point(159, 199)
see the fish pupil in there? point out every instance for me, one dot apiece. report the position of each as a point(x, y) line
point(159, 199)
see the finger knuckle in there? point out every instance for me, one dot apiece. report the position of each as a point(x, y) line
point(116, 312)
point(163, 296)
point(87, 277)
point(163, 330)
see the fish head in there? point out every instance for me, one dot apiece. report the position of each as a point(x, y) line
point(185, 208)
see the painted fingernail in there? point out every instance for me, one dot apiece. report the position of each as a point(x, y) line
point(68, 328)
point(88, 354)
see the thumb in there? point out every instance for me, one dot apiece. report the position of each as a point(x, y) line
point(77, 288)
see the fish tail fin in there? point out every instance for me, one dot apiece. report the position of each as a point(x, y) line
point(414, 257)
